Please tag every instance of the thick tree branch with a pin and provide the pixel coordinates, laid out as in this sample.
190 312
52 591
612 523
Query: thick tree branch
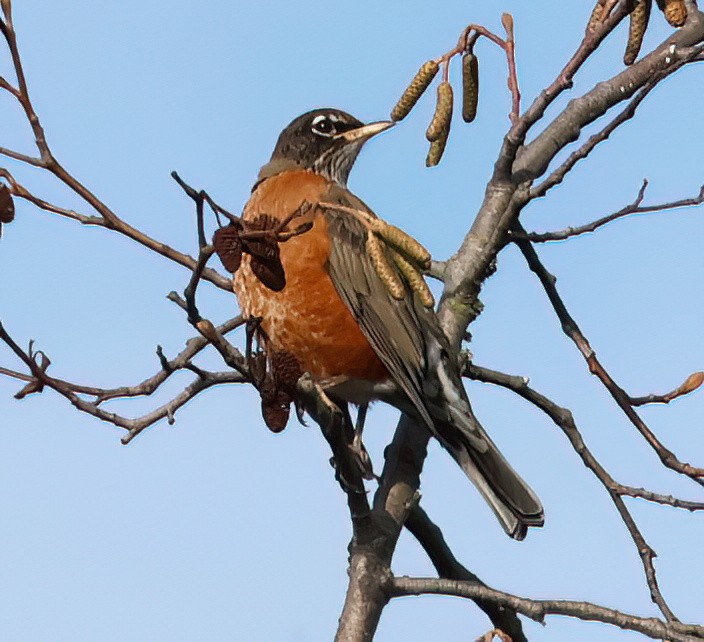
374 538
508 190
670 56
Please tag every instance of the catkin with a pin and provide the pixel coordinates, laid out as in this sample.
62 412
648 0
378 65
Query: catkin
442 117
415 280
437 148
597 17
386 273
470 87
638 24
415 90
404 243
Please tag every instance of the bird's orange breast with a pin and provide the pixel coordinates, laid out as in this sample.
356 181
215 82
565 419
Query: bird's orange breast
307 318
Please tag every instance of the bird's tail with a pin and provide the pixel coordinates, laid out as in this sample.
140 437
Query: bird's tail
453 422
512 500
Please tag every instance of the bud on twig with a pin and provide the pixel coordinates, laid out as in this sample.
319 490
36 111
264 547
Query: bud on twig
415 90
690 384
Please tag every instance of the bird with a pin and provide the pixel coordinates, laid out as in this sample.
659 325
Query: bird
337 319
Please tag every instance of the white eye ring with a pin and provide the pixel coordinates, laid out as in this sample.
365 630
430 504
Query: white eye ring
323 125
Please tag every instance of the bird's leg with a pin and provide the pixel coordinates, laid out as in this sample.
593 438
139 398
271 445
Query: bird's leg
350 465
254 360
357 446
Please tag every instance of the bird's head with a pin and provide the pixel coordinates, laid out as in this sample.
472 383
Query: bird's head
325 141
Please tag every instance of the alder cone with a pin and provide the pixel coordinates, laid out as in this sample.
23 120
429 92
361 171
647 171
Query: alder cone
266 260
7 206
287 371
228 247
276 406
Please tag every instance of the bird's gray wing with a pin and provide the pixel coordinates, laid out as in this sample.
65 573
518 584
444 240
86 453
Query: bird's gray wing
409 341
391 326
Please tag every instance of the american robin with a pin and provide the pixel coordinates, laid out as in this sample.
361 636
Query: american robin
336 317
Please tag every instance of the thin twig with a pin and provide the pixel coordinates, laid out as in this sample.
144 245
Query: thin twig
633 208
133 426
571 329
563 418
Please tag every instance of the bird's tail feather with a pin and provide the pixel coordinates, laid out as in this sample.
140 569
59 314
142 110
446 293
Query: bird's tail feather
512 500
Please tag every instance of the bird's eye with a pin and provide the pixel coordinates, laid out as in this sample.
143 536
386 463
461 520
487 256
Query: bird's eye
323 126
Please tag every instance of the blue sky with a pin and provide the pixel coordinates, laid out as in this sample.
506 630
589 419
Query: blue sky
215 529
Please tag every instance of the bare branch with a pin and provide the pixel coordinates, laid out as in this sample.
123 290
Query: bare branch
633 208
538 609
678 50
571 329
430 537
46 160
558 175
563 418
38 379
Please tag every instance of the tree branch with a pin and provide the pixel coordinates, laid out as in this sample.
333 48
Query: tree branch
563 418
134 426
430 537
571 329
538 609
633 208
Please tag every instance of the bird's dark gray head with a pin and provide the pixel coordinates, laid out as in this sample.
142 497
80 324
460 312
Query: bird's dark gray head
326 141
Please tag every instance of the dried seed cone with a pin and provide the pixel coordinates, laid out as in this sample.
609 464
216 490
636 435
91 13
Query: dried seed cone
286 369
228 246
404 243
415 280
442 117
276 406
386 273
675 12
415 90
7 206
437 148
639 23
470 87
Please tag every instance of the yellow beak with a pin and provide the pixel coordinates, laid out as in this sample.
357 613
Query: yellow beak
365 131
